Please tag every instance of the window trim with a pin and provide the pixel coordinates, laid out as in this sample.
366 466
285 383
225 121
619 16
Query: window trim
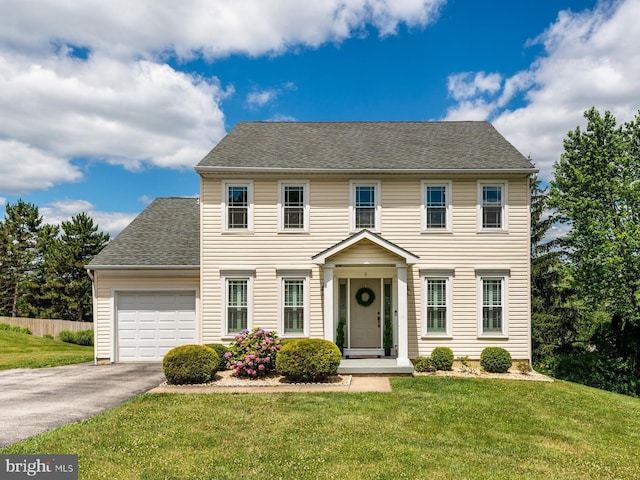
447 276
282 276
225 276
448 205
225 207
281 206
504 185
503 276
352 204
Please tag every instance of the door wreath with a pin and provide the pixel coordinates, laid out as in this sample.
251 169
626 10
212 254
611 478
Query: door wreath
365 296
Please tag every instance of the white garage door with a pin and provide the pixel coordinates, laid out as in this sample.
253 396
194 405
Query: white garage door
152 323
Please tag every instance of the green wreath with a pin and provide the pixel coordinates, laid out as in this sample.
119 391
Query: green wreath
371 297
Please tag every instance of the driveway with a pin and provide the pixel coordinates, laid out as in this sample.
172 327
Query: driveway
35 400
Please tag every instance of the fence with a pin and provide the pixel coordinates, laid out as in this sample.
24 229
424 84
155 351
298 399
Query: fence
40 327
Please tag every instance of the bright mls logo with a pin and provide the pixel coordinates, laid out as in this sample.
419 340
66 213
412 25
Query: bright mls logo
51 467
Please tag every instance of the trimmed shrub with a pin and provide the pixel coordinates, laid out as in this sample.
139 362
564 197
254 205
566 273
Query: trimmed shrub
308 360
190 364
253 353
442 358
14 329
495 360
220 349
424 364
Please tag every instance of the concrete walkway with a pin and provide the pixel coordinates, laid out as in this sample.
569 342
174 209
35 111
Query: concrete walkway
357 385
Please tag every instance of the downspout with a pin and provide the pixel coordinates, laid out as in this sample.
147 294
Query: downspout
93 314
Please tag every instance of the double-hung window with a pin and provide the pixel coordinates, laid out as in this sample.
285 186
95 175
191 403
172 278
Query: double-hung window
237 301
436 206
436 293
492 206
294 206
238 206
365 205
492 314
294 303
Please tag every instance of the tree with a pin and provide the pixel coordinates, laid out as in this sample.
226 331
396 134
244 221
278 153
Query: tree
19 233
67 281
596 190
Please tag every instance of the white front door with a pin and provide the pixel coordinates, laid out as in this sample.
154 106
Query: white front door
365 320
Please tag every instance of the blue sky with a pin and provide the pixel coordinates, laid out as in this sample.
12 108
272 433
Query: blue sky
105 106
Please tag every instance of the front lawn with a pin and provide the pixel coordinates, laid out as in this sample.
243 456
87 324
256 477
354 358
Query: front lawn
428 427
19 350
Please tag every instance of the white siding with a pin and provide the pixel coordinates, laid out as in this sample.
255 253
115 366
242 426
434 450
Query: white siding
463 250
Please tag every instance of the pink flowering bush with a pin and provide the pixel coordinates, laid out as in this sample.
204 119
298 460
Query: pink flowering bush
253 353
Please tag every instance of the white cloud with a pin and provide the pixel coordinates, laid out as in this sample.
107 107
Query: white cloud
260 99
466 85
591 59
111 222
193 27
26 169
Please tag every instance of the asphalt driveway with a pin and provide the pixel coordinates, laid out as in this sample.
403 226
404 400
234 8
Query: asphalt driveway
35 400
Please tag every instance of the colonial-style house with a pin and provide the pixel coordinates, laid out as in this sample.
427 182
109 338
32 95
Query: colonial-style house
403 235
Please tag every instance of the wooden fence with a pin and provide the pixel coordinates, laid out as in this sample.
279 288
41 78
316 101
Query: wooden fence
40 327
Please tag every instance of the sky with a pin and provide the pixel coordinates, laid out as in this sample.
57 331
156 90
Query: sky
106 105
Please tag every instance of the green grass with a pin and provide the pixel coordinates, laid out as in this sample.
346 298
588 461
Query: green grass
19 350
431 428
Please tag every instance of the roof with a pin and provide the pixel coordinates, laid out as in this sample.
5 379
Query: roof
166 234
364 146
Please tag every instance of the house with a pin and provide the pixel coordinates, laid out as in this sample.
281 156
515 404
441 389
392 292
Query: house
422 227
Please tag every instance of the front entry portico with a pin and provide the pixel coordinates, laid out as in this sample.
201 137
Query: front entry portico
366 260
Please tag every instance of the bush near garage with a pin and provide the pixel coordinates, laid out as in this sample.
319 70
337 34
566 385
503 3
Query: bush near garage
308 360
82 337
190 364
220 349
495 360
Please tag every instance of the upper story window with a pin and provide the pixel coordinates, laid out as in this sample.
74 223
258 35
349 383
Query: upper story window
365 205
436 206
238 206
294 206
492 206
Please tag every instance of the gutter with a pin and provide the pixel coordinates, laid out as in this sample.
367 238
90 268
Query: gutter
378 171
141 267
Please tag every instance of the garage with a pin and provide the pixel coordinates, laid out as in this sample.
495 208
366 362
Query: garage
149 324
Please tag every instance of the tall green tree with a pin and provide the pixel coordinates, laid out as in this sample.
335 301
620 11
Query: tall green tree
596 189
68 286
19 233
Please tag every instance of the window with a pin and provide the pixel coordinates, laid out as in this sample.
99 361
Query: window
237 301
294 303
437 303
365 205
238 206
492 206
436 206
294 206
492 313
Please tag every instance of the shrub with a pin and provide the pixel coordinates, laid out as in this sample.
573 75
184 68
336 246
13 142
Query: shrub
11 328
189 364
84 337
48 335
424 364
495 360
253 354
442 358
308 360
524 367
220 349
67 336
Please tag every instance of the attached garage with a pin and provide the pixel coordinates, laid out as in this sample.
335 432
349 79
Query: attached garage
149 324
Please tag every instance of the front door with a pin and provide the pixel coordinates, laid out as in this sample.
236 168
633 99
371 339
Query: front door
365 327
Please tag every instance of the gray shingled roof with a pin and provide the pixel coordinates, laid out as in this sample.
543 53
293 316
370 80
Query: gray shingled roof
341 146
166 233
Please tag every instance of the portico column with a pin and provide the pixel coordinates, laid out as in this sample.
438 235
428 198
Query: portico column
328 303
403 322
